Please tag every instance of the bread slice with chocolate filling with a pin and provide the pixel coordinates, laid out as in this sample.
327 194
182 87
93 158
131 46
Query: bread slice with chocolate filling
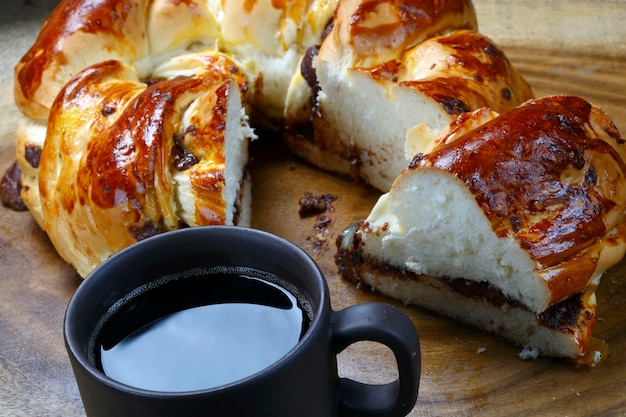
387 78
123 159
506 223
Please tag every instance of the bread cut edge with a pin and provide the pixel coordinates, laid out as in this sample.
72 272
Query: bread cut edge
509 320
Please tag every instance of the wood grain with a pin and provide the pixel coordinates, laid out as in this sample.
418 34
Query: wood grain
561 47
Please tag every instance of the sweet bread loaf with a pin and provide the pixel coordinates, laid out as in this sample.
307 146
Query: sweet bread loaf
174 84
124 160
137 113
507 223
387 78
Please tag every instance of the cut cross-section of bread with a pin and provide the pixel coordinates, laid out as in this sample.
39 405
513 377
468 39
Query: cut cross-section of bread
268 39
382 92
124 159
508 223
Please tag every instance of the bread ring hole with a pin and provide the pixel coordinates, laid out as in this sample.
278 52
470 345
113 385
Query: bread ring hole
368 362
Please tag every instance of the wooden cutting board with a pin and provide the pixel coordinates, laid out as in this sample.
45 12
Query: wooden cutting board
561 47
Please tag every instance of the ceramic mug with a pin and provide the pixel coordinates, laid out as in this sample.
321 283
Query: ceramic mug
303 382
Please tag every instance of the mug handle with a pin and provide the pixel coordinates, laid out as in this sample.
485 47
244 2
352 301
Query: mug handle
385 324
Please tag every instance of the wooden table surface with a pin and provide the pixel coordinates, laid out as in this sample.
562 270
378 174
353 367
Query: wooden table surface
564 47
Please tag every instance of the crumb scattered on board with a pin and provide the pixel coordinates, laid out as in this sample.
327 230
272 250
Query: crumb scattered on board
318 205
311 204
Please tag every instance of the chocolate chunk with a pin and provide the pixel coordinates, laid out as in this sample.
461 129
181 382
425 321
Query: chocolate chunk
311 204
108 111
591 176
562 314
145 231
322 222
32 154
492 50
183 158
454 106
11 187
307 69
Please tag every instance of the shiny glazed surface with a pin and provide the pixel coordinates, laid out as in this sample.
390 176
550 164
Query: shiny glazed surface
530 171
35 284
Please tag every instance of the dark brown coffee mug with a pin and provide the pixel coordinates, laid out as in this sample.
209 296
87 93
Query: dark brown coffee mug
303 382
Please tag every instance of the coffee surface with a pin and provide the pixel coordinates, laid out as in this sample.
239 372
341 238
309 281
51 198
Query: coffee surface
199 331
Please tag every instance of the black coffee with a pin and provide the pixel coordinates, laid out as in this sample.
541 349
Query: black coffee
199 330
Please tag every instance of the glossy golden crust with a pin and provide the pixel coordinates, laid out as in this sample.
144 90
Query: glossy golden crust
112 29
464 71
139 33
418 92
114 150
371 32
550 173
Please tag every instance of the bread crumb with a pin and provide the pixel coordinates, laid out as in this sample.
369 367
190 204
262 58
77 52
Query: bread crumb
597 357
529 353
